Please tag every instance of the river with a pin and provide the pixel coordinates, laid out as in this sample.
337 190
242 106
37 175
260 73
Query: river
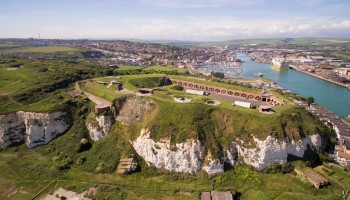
329 95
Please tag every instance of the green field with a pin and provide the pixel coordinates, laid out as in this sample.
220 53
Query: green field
45 49
8 45
159 69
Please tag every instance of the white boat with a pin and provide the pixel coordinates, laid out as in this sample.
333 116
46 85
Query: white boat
280 63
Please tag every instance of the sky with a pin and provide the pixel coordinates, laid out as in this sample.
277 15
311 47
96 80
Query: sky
195 20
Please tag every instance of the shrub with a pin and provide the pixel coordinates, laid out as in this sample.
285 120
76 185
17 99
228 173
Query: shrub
177 87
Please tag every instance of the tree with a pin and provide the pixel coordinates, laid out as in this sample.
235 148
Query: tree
108 72
218 74
310 100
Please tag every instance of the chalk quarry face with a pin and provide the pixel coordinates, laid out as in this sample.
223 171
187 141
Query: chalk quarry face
192 156
32 128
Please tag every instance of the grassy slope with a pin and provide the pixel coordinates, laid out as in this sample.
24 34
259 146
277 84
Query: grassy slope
279 41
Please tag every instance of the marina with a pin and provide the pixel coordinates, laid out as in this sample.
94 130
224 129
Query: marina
327 94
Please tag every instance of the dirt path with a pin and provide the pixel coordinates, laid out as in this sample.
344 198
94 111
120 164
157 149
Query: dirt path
93 98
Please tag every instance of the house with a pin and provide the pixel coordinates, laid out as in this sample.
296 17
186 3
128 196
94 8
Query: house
343 154
342 71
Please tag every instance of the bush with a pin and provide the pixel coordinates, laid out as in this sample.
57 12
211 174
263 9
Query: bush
108 72
80 160
177 87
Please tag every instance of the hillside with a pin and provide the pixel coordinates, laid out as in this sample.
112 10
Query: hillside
77 162
279 41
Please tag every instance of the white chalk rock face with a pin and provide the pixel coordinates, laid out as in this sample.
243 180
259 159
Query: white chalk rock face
270 151
32 128
99 127
214 167
185 157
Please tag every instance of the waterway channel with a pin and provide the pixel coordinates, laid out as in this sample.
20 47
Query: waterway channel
329 95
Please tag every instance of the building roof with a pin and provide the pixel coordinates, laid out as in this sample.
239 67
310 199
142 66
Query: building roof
343 155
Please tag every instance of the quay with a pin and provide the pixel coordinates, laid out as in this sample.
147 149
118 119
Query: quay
317 76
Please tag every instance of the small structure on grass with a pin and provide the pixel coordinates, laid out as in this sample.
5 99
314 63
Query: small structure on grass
146 91
216 195
119 85
213 102
126 165
101 108
313 177
67 194
182 100
243 104
266 109
197 92
102 82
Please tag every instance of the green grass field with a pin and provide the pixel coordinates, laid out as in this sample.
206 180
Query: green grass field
45 49
160 69
129 67
8 45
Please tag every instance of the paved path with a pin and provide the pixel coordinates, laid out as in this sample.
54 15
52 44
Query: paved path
232 99
93 98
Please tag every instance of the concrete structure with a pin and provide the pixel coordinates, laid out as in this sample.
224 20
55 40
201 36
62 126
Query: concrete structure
229 92
146 91
101 108
243 104
313 177
216 195
126 165
265 109
197 92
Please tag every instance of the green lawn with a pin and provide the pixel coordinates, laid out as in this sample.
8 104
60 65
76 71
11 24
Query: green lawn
100 90
8 45
129 67
44 49
160 69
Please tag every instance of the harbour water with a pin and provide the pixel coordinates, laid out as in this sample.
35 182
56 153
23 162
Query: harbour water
329 95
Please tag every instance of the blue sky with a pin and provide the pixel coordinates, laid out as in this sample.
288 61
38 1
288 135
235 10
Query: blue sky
198 20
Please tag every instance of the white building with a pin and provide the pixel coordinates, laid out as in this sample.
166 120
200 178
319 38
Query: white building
198 92
243 104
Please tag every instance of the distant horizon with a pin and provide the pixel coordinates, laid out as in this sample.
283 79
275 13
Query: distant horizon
174 40
195 20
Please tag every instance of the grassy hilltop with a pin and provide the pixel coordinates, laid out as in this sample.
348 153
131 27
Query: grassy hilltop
67 162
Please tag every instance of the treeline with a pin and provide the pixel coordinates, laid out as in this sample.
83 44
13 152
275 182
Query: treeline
54 75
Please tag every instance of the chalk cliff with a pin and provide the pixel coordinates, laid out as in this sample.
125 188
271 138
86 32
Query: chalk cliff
192 155
32 128
185 157
99 126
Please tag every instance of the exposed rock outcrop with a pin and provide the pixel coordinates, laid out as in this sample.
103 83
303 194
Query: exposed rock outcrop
191 156
98 126
185 157
270 151
32 128
133 110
